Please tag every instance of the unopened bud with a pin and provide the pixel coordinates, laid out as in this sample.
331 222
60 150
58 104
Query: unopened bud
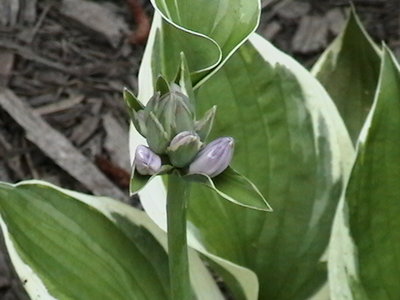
214 158
157 138
139 121
183 116
183 148
174 113
146 161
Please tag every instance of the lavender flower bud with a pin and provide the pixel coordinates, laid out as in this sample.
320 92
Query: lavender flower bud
183 148
214 158
146 161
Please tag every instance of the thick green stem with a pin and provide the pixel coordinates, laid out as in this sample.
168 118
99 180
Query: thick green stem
178 193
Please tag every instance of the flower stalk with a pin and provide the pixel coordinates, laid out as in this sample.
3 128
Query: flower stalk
178 194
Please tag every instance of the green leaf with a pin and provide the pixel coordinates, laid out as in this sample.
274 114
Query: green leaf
208 32
292 143
364 260
349 70
131 101
234 187
162 85
184 81
139 181
66 241
203 126
102 248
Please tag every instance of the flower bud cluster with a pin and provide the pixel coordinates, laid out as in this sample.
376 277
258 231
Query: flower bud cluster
176 139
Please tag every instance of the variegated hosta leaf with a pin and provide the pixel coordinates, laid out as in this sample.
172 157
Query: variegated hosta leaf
349 70
67 245
292 143
364 261
207 32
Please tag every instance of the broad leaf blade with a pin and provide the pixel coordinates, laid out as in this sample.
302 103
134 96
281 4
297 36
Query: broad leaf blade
64 240
291 142
349 71
102 248
364 260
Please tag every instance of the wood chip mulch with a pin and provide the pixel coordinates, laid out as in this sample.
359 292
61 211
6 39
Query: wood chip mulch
64 63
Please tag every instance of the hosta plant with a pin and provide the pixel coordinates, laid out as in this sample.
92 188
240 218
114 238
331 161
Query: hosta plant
282 183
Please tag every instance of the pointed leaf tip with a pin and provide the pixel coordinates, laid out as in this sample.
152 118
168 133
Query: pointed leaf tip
131 100
234 187
162 85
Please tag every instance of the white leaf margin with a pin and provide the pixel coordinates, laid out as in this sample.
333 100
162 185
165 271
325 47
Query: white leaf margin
342 260
201 279
31 281
159 15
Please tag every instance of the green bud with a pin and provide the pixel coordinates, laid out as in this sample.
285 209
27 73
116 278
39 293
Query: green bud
156 136
153 103
174 113
139 121
186 95
203 126
184 148
183 116
165 112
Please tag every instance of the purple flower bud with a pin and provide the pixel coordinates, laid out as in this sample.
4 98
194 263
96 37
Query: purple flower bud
214 158
146 161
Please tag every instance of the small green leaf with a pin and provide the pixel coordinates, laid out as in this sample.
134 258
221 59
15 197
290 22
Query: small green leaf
234 187
203 126
162 85
184 81
132 101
